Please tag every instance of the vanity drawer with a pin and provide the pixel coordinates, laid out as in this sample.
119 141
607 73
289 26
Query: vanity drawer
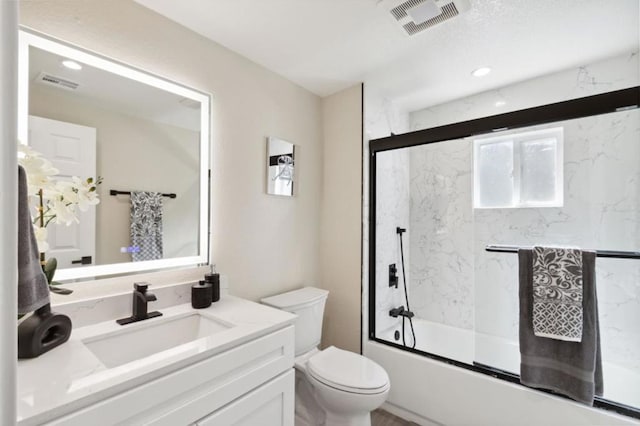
187 395
272 404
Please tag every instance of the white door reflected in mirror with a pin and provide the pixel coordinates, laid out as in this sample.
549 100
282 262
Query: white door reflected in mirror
72 150
280 167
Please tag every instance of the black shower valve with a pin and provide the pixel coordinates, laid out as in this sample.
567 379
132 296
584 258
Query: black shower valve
396 312
400 311
393 275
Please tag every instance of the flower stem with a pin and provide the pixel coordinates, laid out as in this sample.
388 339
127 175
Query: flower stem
42 225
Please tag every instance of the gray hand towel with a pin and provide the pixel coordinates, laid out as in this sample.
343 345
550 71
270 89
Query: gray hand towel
33 289
557 293
573 369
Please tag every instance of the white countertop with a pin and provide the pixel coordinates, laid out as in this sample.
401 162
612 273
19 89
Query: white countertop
70 376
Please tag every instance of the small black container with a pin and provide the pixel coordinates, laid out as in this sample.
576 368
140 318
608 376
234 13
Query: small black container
41 332
201 295
213 278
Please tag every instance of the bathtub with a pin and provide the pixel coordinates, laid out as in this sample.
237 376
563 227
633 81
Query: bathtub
432 392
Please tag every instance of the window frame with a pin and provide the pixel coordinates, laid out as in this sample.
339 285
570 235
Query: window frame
517 139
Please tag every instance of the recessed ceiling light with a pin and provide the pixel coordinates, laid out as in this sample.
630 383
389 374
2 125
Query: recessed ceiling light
73 65
501 103
481 72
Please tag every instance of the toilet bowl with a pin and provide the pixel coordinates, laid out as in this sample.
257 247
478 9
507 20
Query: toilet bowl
334 387
347 386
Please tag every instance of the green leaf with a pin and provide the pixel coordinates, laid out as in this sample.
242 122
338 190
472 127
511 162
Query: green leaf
60 290
49 268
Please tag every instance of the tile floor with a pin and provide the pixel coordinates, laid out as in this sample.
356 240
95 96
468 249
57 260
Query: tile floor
383 418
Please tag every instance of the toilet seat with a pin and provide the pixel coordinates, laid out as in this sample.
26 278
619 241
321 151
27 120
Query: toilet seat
347 371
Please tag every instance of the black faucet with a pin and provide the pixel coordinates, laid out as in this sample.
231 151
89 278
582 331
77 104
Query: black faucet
400 312
140 300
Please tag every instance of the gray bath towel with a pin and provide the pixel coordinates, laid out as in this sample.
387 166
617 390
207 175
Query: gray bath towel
33 289
573 369
146 225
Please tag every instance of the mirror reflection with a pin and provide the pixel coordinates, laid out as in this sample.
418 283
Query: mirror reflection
142 141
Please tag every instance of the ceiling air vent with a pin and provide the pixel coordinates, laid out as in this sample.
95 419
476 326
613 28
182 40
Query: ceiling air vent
417 15
52 80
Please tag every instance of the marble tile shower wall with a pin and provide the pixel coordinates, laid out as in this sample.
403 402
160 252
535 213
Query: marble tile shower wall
601 210
455 282
441 231
382 117
456 307
392 210
453 277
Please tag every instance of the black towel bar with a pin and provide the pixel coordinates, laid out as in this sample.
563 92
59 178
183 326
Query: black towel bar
116 192
599 253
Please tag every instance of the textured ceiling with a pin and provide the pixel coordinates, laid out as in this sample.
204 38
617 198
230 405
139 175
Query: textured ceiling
328 45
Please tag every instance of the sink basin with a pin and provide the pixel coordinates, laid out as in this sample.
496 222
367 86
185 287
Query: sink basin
145 339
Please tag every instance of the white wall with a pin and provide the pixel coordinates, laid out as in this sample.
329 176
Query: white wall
340 250
265 244
8 212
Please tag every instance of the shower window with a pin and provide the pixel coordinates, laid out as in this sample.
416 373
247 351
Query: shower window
519 170
463 299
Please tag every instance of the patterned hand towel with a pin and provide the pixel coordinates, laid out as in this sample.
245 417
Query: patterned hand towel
573 369
557 293
146 225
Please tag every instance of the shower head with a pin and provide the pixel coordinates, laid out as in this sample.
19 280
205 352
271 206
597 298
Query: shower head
400 231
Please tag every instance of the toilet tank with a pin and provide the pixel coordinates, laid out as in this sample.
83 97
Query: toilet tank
308 304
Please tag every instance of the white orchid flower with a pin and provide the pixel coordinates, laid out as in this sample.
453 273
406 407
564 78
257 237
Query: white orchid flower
39 170
41 238
64 213
56 200
87 195
68 191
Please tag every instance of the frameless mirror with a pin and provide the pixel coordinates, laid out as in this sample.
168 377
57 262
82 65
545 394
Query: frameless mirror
145 137
280 167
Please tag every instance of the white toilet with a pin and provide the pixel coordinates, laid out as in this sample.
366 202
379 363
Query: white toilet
333 387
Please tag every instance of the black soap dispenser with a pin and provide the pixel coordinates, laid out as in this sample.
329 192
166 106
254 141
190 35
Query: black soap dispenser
213 278
201 295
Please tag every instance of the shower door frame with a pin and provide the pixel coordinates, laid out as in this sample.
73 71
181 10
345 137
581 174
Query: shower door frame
605 103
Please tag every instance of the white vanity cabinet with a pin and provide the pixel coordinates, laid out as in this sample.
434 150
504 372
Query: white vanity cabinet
272 404
249 384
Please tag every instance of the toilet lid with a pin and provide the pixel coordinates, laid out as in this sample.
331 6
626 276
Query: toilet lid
347 371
